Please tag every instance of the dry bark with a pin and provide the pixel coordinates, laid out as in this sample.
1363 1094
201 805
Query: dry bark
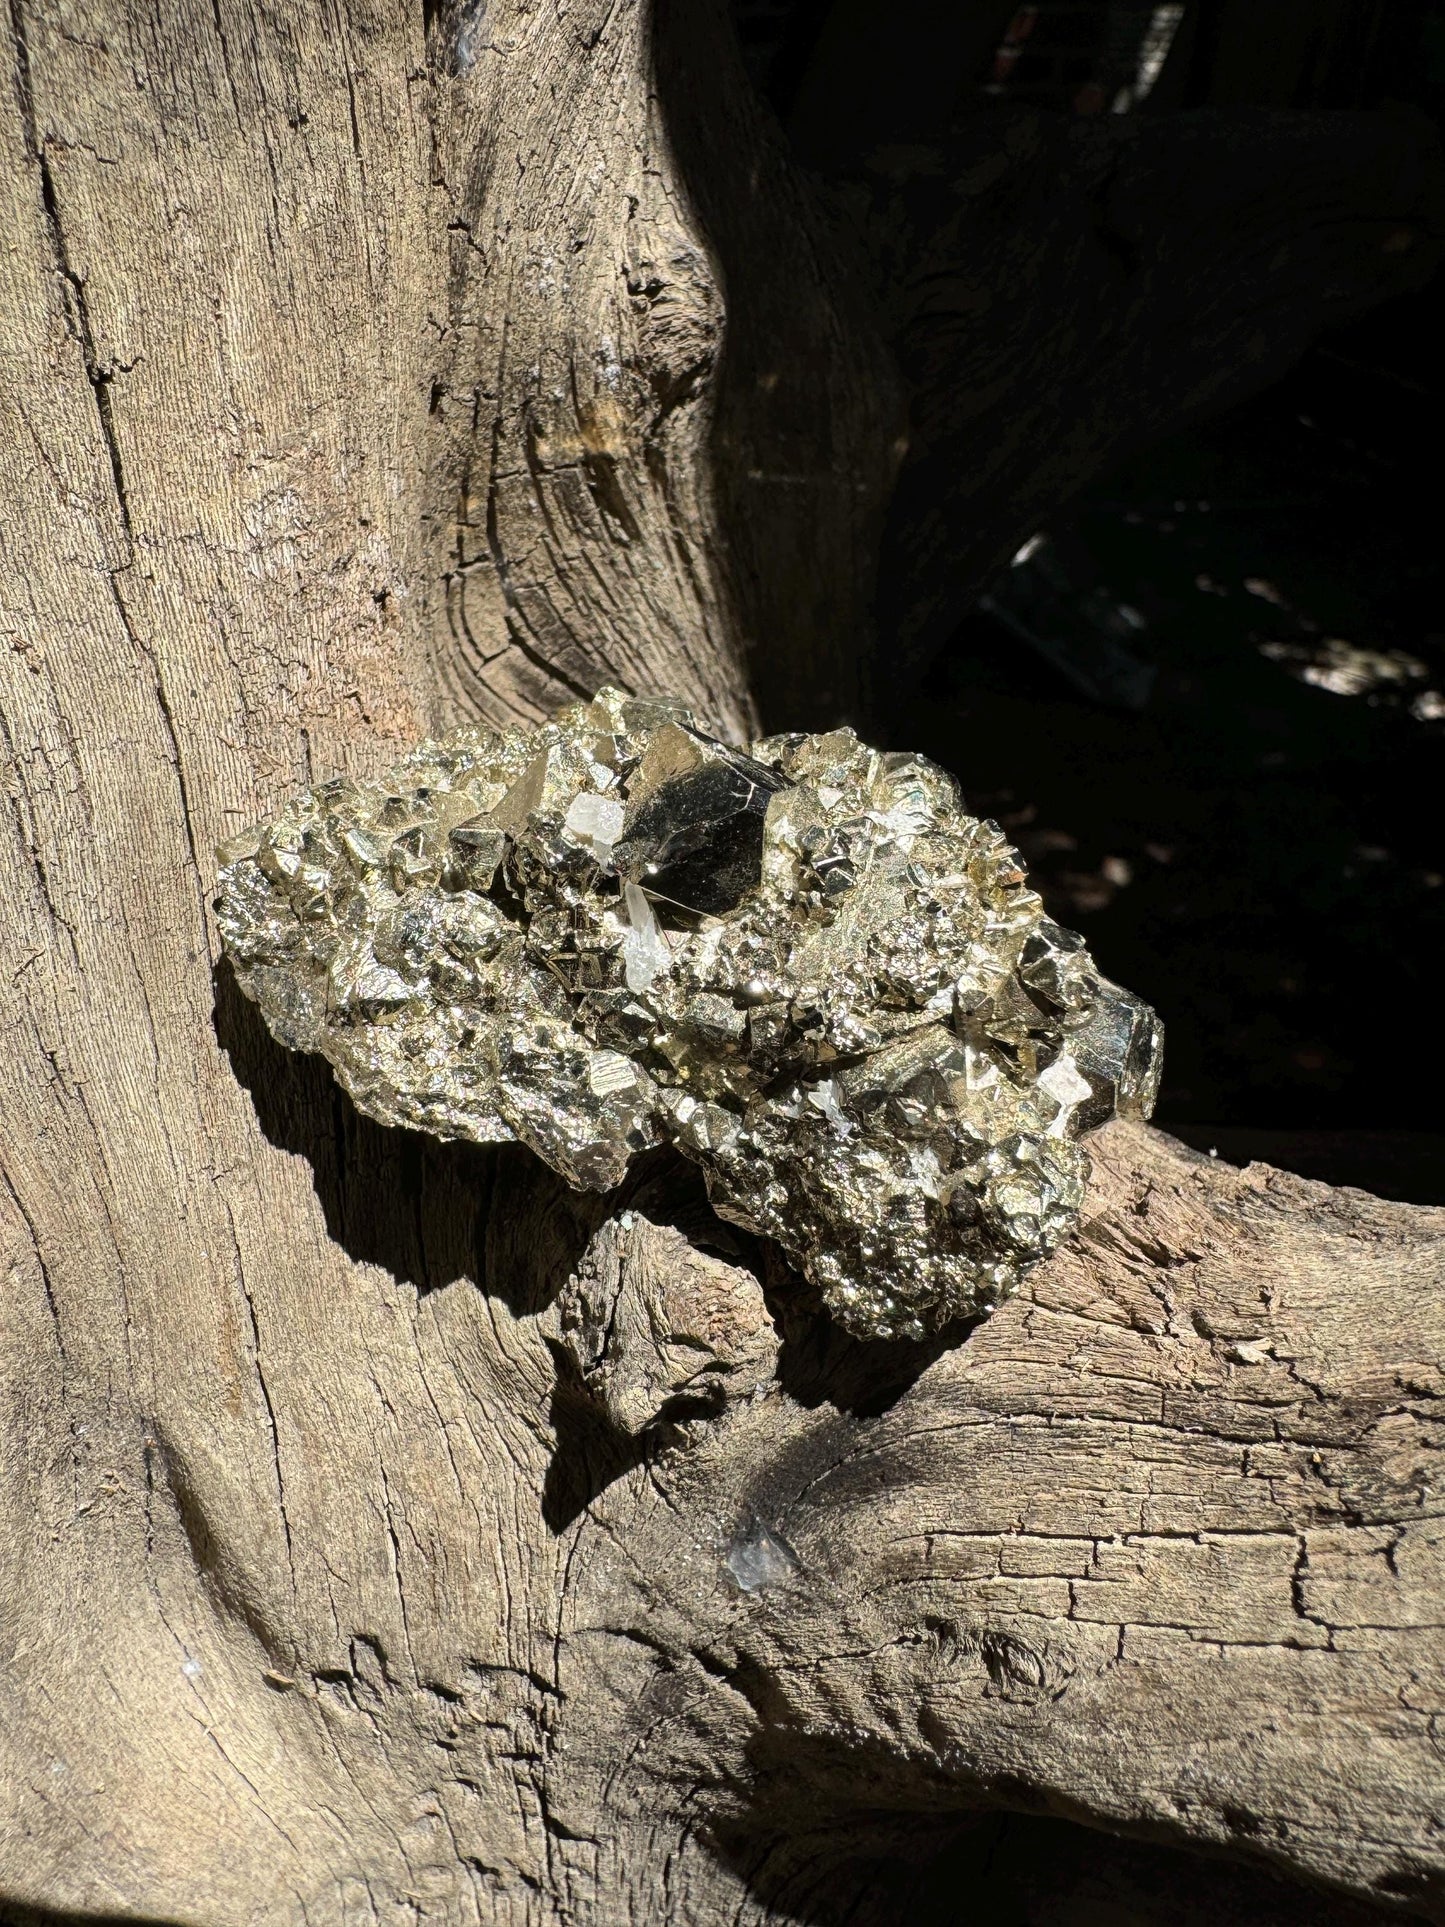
361 1565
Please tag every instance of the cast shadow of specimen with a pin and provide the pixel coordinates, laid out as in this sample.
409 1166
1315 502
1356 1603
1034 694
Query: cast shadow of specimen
431 1212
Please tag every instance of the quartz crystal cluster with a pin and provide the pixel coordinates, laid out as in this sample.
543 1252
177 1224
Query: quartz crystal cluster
803 964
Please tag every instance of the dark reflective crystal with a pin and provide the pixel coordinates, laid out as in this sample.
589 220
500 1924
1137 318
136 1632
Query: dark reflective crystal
694 833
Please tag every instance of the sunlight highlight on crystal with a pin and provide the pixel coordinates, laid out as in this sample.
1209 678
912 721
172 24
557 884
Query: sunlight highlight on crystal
804 964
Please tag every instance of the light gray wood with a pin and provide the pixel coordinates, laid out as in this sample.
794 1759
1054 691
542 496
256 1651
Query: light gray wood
350 384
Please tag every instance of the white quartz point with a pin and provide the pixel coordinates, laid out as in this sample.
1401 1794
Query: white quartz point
824 1097
1067 1088
596 821
644 949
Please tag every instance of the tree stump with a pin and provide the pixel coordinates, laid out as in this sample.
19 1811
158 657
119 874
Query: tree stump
390 1534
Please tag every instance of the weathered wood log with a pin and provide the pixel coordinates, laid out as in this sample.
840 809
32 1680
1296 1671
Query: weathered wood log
359 1564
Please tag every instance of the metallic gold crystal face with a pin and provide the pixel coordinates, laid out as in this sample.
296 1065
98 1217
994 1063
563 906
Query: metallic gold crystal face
804 964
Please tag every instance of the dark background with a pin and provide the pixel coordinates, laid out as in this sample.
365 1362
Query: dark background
1210 706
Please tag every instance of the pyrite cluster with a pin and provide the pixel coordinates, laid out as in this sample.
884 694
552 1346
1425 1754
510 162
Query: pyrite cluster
805 965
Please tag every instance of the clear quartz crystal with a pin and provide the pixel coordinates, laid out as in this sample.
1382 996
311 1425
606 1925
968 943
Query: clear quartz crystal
644 948
804 964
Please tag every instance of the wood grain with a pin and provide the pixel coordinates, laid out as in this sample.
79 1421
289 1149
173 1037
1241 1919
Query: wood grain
327 1597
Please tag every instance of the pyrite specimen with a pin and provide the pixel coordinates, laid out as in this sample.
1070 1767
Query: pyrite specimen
803 963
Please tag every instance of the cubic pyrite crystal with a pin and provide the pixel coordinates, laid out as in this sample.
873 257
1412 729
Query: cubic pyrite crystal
803 963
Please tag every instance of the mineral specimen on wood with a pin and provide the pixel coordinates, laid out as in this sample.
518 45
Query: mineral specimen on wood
803 964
